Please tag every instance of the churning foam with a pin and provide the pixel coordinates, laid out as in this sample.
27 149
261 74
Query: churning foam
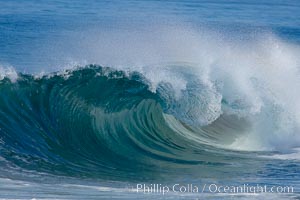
8 72
257 78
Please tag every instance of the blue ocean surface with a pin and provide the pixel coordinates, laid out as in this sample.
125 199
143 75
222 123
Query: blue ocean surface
136 99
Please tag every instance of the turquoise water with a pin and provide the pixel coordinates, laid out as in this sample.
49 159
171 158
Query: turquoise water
102 99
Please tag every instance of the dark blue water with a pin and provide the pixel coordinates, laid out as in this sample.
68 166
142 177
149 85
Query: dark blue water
99 96
32 32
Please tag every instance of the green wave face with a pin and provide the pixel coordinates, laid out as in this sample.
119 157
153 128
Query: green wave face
98 122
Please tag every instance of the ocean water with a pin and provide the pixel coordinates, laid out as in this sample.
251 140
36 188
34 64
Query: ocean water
149 99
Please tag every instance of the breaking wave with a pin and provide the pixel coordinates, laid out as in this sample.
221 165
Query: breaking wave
114 121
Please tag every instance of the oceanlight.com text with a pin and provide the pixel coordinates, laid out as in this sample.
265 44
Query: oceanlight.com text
211 188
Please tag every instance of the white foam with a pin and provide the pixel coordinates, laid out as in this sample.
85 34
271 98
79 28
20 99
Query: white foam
294 155
8 72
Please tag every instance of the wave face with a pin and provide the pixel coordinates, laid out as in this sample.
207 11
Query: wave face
102 122
96 121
